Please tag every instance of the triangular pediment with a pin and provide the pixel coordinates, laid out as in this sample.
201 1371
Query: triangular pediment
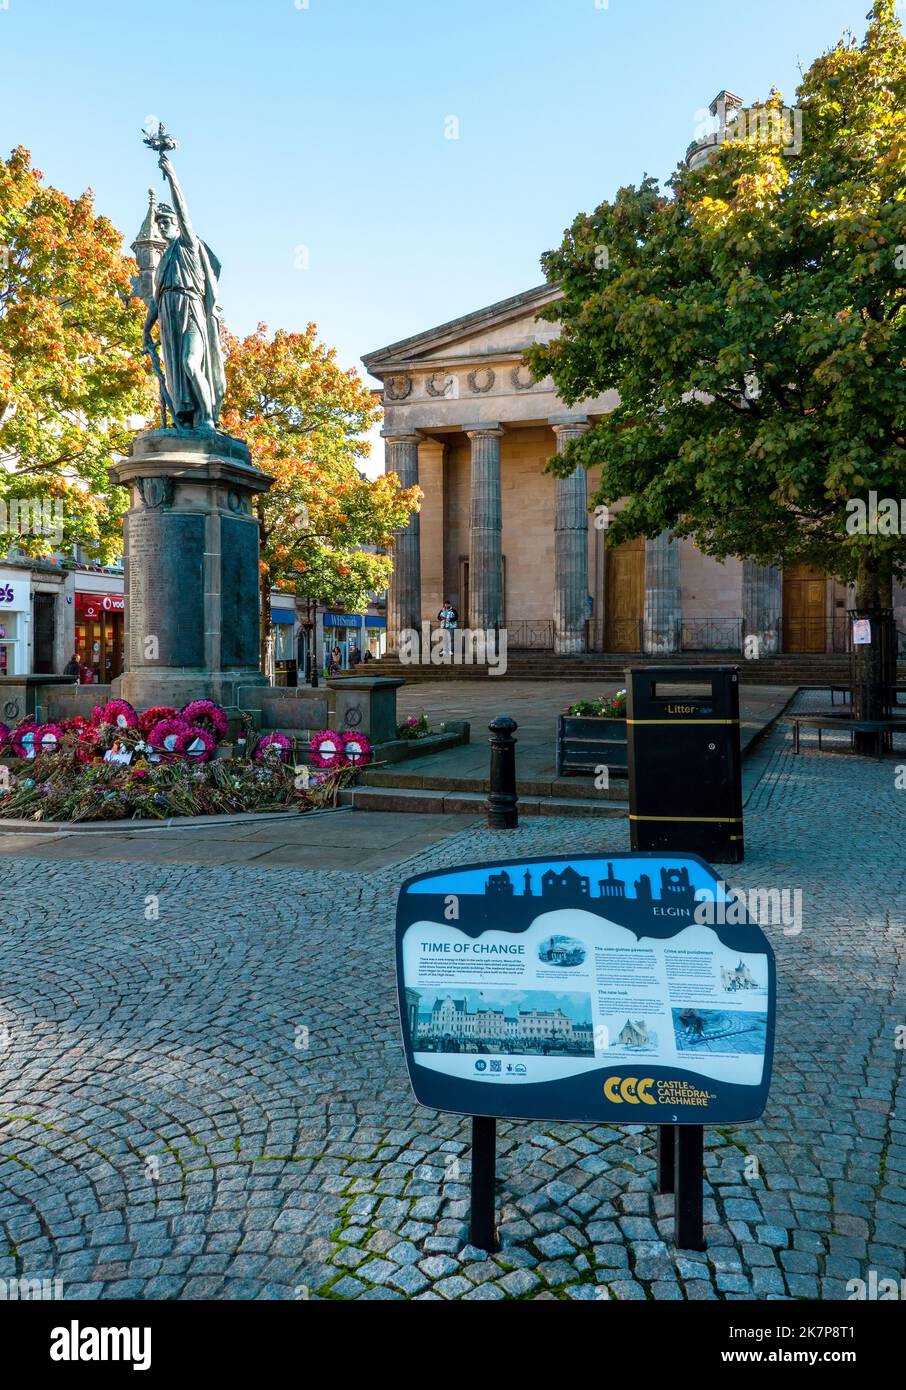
499 330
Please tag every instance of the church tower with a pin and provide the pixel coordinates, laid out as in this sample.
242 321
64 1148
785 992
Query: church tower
148 248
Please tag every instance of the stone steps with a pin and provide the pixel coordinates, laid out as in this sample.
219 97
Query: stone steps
570 789
430 802
821 669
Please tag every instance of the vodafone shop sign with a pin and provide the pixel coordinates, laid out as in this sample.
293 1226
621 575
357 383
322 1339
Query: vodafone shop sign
93 605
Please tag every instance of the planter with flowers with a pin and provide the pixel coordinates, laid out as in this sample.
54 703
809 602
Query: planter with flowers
592 734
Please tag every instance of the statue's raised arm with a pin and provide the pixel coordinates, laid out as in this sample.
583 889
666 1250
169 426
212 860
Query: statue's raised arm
187 231
185 294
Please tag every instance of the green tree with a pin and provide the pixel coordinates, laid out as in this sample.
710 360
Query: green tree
752 319
304 418
71 364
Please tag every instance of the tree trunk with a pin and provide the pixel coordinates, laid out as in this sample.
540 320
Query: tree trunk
870 664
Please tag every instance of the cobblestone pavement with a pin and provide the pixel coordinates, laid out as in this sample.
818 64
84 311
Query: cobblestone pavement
212 1101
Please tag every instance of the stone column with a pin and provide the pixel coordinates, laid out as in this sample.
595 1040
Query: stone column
570 548
762 604
485 524
661 636
404 600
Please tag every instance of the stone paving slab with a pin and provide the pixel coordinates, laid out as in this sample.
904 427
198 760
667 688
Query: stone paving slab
203 1093
535 706
343 840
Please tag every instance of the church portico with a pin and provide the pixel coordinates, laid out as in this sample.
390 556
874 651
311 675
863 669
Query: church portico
516 548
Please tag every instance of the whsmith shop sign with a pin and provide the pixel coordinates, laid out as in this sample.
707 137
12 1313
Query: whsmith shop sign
584 989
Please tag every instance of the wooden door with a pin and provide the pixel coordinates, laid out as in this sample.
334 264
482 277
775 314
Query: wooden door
625 596
804 610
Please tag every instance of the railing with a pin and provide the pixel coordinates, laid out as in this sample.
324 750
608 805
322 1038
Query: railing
711 634
523 634
529 634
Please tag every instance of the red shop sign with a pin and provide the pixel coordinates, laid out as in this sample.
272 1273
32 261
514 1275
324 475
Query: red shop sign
92 605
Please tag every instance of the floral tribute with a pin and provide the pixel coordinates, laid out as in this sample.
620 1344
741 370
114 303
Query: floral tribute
326 749
206 715
157 763
273 746
153 715
120 713
356 748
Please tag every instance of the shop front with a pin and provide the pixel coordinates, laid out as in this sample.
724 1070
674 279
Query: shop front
99 636
283 633
353 635
15 602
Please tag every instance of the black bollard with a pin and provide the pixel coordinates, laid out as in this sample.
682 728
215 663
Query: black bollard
503 813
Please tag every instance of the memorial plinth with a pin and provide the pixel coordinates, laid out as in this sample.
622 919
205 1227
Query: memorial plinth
191 566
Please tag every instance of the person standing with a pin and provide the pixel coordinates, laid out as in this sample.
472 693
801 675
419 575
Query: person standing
449 621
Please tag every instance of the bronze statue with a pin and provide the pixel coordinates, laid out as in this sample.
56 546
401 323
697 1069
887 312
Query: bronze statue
185 306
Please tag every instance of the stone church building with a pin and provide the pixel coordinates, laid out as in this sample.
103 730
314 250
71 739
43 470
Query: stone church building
512 546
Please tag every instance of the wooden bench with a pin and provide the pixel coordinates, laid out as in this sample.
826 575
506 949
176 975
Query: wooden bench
879 727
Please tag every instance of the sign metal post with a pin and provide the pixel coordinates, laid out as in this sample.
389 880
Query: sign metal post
689 1204
666 1157
482 1228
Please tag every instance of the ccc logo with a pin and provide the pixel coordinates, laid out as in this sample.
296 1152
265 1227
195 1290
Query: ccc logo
629 1089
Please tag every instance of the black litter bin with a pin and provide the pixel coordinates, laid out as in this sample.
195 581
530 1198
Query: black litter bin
685 782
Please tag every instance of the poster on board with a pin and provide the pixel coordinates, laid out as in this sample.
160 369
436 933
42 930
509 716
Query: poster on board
628 987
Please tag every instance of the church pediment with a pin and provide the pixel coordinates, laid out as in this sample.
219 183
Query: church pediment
500 331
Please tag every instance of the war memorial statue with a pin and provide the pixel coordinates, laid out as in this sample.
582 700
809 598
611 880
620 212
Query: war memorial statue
191 540
186 310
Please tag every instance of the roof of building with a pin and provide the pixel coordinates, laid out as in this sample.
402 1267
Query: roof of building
420 343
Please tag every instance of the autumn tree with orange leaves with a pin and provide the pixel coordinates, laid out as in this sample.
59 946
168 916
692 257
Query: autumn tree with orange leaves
71 365
304 419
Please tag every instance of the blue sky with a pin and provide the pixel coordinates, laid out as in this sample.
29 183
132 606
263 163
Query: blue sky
315 134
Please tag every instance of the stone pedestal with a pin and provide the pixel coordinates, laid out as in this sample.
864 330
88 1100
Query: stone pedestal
663 613
367 704
485 531
191 564
570 549
22 696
